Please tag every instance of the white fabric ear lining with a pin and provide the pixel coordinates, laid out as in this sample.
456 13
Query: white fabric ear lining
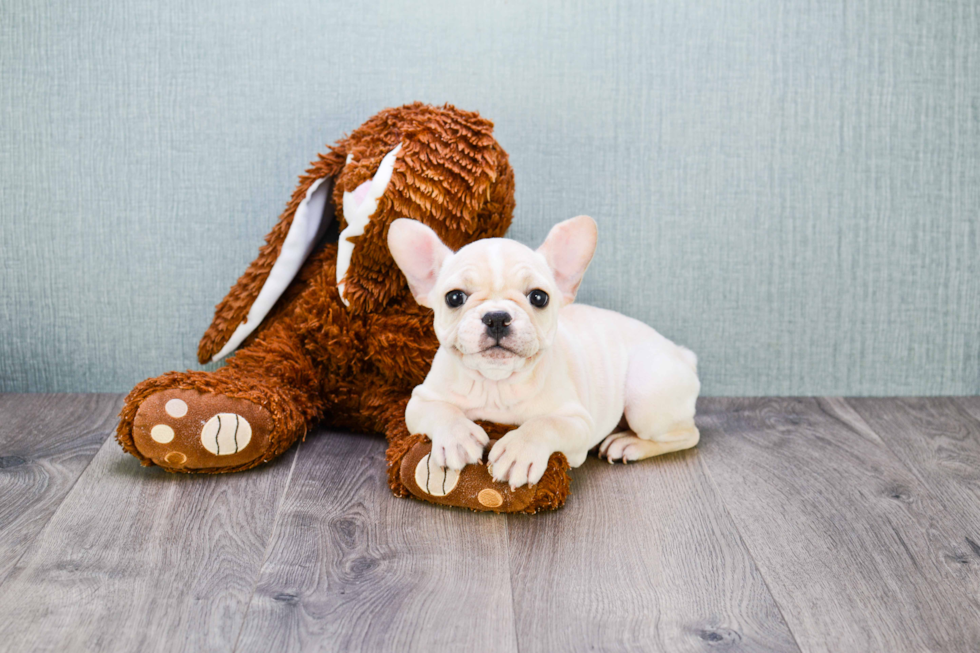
307 227
358 215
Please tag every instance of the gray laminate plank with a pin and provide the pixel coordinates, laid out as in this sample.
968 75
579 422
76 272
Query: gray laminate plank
46 442
136 559
825 509
970 404
643 557
352 568
939 440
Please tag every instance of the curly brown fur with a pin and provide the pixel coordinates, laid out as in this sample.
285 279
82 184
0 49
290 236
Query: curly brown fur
315 359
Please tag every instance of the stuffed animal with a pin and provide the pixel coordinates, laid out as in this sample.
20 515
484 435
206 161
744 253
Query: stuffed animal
322 324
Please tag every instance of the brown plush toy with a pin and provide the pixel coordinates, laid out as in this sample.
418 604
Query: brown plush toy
323 322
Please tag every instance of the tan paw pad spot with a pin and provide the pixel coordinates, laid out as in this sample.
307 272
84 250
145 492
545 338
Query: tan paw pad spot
435 480
176 458
226 433
176 408
490 498
162 433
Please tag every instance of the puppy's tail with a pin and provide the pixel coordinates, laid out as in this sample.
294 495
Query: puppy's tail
689 357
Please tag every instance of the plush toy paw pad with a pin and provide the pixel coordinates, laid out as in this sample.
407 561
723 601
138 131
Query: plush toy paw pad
175 458
187 429
434 480
490 498
226 434
162 433
472 487
176 408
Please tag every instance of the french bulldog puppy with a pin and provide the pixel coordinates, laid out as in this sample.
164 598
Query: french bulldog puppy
514 349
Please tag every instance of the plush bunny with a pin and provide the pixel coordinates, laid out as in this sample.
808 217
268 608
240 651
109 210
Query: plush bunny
322 325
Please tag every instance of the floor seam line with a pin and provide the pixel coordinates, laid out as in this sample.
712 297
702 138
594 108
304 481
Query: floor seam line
268 546
748 550
510 581
54 512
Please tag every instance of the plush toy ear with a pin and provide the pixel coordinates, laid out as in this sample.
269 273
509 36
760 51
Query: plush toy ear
287 247
309 223
419 253
568 249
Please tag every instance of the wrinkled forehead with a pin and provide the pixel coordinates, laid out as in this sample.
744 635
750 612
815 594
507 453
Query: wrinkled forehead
495 263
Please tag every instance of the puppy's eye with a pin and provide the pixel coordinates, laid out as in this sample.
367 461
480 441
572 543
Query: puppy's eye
455 298
538 298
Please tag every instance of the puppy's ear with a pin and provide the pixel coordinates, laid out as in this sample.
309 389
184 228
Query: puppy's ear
419 253
568 249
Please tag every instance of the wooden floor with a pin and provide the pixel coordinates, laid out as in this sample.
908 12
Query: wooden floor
797 525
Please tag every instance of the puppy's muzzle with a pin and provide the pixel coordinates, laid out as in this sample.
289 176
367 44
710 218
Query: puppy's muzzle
498 324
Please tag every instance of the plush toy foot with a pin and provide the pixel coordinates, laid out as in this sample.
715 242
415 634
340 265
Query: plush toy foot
474 488
188 430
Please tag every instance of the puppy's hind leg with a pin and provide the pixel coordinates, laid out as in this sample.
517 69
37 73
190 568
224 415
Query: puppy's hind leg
661 390
626 446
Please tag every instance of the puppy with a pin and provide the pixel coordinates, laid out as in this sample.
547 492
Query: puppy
515 350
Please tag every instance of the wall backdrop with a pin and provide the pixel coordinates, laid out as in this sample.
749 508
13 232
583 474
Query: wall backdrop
790 188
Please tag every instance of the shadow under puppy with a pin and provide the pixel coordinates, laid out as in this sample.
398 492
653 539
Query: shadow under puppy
515 350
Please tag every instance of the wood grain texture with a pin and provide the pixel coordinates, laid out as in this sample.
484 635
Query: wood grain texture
136 559
939 440
797 525
825 509
642 557
970 405
352 568
46 441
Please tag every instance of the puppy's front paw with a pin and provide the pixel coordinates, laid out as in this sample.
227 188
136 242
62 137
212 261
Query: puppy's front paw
519 458
458 444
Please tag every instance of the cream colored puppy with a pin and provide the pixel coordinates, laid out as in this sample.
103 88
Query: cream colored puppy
515 350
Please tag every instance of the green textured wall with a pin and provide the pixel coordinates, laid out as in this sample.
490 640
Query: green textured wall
792 189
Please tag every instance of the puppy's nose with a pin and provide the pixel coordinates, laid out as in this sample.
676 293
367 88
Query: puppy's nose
498 323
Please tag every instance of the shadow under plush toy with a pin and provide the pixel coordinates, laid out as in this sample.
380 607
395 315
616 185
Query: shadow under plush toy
323 326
